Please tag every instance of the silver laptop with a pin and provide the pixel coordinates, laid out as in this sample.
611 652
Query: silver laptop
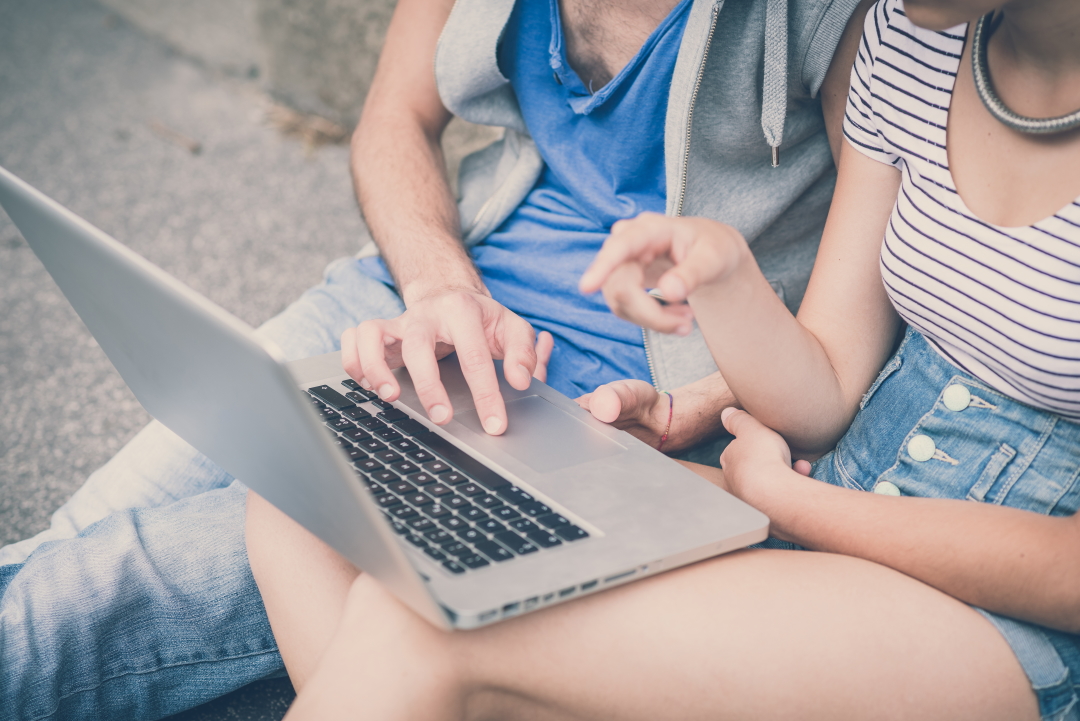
463 527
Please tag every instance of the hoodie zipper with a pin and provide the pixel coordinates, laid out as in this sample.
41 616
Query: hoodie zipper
686 165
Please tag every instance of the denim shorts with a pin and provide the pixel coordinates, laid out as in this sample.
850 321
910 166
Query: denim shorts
929 429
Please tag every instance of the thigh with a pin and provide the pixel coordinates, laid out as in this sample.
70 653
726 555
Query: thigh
756 634
313 324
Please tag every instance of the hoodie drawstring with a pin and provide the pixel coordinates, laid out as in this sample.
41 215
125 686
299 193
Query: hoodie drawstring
774 90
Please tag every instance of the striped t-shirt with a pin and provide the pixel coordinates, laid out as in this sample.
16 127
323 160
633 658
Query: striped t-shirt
1001 303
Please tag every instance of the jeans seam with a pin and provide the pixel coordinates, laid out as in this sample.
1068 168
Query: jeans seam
163 667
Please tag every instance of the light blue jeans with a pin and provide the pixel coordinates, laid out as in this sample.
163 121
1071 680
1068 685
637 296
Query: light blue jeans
138 602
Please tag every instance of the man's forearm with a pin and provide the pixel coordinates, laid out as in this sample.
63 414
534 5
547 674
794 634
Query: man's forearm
401 185
696 412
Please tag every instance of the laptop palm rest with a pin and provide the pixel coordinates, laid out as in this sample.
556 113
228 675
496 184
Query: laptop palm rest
541 436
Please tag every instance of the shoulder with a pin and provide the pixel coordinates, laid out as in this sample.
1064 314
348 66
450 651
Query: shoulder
888 34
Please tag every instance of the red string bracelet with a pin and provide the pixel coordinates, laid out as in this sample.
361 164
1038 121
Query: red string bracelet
670 413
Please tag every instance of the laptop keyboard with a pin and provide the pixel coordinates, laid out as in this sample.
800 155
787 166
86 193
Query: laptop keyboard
442 500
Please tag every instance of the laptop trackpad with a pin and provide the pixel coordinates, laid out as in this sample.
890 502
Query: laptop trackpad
541 436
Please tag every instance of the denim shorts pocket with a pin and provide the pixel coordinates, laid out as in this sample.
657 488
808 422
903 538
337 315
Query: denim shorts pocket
998 462
891 367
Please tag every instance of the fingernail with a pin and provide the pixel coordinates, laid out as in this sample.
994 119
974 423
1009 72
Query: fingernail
726 413
385 390
676 287
524 370
365 384
492 425
683 330
438 413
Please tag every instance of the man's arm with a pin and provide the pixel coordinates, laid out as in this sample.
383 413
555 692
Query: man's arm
400 178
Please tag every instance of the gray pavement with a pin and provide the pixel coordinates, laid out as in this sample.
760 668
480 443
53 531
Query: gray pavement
250 222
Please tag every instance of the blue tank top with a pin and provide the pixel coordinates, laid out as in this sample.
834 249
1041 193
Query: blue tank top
604 158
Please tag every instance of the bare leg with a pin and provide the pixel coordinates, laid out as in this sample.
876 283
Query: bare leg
303 583
756 634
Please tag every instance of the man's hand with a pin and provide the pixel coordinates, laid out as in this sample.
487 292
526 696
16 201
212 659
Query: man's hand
477 327
631 405
674 255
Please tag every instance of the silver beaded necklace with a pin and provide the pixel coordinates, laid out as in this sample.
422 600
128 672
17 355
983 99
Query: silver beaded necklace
985 87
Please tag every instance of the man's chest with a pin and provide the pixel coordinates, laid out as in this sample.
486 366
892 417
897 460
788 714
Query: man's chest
602 36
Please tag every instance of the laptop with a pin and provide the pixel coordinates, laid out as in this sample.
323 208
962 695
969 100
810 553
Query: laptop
463 527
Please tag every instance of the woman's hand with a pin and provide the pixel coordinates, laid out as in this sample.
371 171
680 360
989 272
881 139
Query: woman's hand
674 255
757 464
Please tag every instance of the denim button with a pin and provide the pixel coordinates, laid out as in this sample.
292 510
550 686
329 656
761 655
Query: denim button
884 488
921 448
956 397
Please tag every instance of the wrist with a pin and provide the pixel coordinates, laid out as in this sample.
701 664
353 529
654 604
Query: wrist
421 289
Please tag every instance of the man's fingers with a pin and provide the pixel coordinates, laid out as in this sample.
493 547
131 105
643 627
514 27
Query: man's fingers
545 343
469 339
350 357
371 337
623 401
518 344
418 353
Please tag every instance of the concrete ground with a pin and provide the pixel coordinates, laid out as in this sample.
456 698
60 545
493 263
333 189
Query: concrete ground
250 221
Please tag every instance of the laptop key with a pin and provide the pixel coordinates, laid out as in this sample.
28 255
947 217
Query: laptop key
381 404
493 551
340 424
358 390
385 476
413 428
436 511
453 567
534 508
370 445
373 486
571 533
356 435
454 479
471 535
474 561
438 535
419 499
392 414
455 502
423 479
388 434
438 490
515 543
356 397
401 487
372 424
514 495
404 446
387 500
416 540
436 554
435 467
453 523
487 501
368 465
387 456
405 468
553 520
421 525
330 397
470 489
543 539
355 414
457 548
420 456
472 513
355 454
523 525
399 527
505 513
403 512
490 526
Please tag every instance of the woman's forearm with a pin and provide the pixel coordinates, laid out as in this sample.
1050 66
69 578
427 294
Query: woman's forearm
1009 561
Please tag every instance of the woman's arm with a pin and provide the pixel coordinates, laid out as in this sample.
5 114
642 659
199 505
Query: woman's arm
1009 561
802 377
